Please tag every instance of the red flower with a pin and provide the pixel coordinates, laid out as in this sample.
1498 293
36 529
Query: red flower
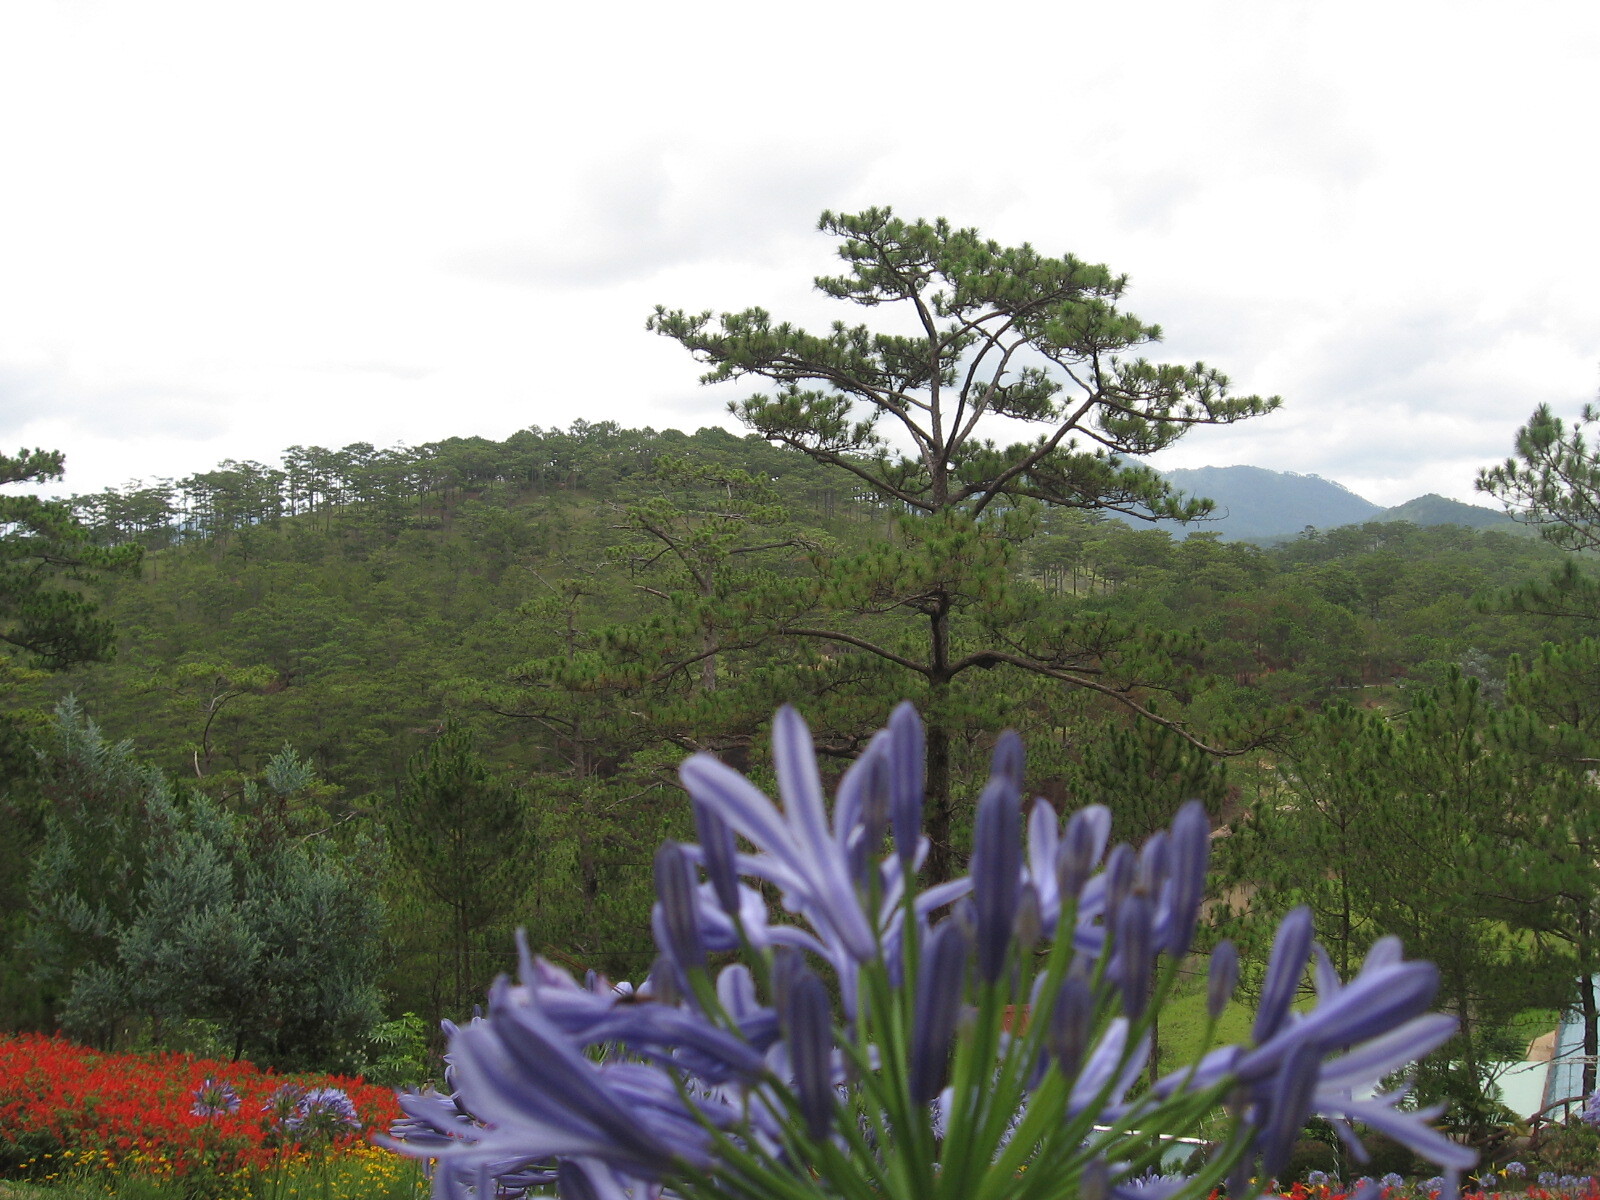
127 1104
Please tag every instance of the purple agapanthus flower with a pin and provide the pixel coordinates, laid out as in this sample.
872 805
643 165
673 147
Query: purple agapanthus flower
215 1098
280 1106
323 1113
886 1036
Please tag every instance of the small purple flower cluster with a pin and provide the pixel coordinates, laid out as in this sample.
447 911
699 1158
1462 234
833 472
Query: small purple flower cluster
281 1105
215 1098
1551 1181
322 1113
872 1043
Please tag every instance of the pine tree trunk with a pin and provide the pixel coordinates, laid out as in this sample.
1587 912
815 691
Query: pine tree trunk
1591 1031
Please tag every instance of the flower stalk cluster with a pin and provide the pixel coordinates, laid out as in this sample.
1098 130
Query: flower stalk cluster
986 1038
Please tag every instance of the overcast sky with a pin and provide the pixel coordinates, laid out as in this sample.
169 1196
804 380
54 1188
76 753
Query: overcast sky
226 229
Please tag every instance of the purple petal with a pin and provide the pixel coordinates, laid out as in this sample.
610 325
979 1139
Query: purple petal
1112 1068
1082 846
1134 958
906 767
1190 845
1290 1105
1008 759
1222 977
587 1179
1067 1038
1371 1005
1044 843
1122 866
799 784
718 854
1155 863
742 805
810 1041
1290 950
678 929
996 873
940 988
1411 1130
1388 1053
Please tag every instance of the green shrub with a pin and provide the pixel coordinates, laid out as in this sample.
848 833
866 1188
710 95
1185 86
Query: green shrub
1389 1156
1569 1150
1311 1154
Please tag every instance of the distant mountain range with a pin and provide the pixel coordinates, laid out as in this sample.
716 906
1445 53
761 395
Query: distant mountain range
1258 505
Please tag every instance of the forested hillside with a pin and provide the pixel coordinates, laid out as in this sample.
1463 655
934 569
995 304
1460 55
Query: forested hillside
563 615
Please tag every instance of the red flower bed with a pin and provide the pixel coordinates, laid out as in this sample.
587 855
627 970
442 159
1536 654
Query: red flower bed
134 1109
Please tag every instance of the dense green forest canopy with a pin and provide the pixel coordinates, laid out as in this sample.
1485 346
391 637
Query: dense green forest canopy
517 641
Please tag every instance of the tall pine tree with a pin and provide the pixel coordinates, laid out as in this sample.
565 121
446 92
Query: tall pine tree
983 339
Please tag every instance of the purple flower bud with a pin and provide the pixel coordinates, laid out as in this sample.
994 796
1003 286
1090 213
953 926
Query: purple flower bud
941 984
996 871
1134 955
808 1021
787 966
906 765
1067 1039
736 991
861 810
1044 845
1291 950
719 855
1008 759
1323 972
1384 952
1030 918
875 802
1221 978
1155 863
1290 1105
1121 868
1190 847
678 927
1082 845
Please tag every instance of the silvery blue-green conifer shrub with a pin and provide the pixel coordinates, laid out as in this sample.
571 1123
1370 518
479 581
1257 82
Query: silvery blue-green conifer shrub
986 1038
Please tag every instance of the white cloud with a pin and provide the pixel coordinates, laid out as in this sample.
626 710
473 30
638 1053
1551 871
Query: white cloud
228 230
